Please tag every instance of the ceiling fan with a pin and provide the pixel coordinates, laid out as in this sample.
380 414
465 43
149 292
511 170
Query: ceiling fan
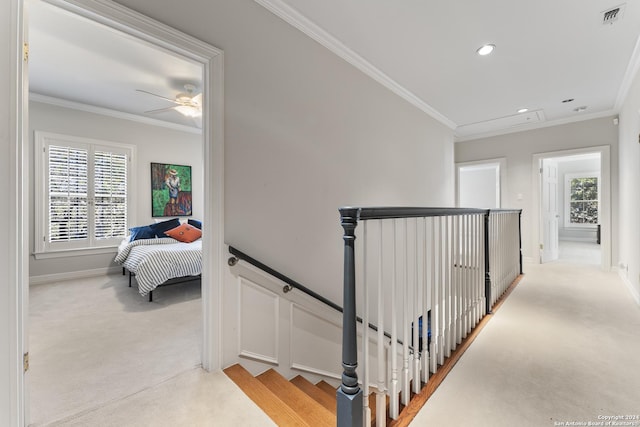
187 103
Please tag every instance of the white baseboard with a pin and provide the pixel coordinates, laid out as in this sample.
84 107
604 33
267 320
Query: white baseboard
632 289
60 277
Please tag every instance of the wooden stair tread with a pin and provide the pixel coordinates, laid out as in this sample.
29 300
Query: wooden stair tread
311 411
327 388
316 393
269 402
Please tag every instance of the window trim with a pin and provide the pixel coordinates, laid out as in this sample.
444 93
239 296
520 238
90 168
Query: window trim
42 248
567 197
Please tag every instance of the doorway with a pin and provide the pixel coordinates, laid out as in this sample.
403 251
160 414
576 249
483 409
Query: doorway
134 25
480 184
573 206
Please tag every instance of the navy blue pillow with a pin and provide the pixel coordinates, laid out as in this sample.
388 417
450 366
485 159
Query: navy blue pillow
143 232
197 224
160 227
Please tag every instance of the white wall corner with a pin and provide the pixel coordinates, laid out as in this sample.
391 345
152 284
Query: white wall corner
634 292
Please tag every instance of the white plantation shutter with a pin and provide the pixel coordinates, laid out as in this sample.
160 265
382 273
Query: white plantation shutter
68 194
110 195
84 188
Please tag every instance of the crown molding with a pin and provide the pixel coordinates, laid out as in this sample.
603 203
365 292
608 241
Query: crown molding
534 126
297 20
59 102
629 76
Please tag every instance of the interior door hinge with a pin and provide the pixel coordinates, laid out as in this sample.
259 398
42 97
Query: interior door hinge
541 170
25 52
25 361
541 246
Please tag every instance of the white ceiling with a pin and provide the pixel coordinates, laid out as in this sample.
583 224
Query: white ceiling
74 59
546 51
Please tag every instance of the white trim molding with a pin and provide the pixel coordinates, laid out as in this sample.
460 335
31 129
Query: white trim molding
632 290
629 75
81 274
122 19
297 20
605 199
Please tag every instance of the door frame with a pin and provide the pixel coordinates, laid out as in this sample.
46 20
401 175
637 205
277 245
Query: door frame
501 162
605 199
155 33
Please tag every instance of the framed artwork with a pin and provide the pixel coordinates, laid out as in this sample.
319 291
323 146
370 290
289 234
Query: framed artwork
170 190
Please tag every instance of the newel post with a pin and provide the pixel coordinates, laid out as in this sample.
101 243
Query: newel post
349 395
520 237
487 273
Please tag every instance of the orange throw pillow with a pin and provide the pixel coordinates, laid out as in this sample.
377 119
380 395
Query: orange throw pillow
185 233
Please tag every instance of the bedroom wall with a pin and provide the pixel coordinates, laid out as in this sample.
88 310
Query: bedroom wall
153 144
519 149
629 217
306 133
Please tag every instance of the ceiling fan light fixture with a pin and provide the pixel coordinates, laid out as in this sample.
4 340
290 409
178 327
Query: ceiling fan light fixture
188 111
485 49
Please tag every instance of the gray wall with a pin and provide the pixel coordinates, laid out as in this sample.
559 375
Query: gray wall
153 144
519 149
306 133
629 214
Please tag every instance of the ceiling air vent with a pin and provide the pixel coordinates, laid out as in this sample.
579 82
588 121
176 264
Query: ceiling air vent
612 15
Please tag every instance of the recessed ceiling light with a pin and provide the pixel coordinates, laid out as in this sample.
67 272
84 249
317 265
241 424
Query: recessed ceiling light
486 49
567 100
580 109
523 110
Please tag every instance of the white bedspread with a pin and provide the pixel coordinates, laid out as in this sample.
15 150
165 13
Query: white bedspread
154 261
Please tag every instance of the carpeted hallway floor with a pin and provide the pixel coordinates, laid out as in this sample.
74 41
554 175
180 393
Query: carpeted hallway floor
564 347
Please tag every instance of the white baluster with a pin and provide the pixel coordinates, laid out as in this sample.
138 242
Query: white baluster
394 403
405 319
426 292
447 290
441 288
434 298
381 416
365 330
416 312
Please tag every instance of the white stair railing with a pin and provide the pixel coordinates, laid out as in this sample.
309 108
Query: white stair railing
424 277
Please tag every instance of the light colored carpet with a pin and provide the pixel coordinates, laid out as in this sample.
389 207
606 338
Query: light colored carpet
192 399
564 347
579 252
93 341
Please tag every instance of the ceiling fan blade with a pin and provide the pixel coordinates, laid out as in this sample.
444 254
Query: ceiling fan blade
159 110
197 100
159 96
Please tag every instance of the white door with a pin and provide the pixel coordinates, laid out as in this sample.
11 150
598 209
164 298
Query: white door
549 244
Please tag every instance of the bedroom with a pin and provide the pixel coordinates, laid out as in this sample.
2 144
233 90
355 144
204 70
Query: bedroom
85 331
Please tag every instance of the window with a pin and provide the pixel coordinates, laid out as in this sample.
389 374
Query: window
82 193
582 199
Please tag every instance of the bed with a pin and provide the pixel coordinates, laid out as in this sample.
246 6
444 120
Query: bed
160 261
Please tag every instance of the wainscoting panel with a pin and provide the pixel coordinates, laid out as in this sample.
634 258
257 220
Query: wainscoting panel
316 343
258 322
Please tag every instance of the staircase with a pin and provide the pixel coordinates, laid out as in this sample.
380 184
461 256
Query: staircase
297 402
